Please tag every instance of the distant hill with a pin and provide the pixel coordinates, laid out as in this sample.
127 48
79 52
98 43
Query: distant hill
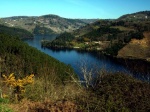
90 27
143 15
89 21
114 37
54 23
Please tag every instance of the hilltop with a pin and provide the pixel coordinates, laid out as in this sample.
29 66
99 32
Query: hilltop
142 15
45 24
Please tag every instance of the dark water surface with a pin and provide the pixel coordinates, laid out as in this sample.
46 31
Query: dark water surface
78 59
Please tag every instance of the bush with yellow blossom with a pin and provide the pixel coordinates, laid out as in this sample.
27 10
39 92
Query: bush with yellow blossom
18 85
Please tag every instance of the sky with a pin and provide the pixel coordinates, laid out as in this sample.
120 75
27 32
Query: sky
76 9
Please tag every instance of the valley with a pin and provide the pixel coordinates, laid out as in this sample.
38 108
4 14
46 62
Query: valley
54 64
118 38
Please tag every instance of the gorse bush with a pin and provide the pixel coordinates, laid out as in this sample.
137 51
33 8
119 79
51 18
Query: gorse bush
18 85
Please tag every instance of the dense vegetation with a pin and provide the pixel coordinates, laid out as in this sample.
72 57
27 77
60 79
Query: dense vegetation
61 41
117 93
21 59
97 34
110 93
16 32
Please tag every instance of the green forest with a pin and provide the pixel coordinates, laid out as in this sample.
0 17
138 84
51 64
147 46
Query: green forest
16 32
21 59
62 41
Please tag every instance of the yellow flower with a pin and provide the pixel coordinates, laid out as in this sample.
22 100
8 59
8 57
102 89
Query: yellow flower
11 76
11 81
5 96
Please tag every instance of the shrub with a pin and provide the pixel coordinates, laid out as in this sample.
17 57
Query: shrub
18 85
4 100
5 109
117 93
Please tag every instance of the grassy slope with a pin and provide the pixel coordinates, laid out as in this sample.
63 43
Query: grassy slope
137 48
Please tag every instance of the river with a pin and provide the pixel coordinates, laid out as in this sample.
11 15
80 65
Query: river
77 59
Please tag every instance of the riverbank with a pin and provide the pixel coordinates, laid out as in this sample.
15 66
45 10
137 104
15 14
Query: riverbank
135 65
139 68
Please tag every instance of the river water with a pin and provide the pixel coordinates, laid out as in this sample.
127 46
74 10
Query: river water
79 59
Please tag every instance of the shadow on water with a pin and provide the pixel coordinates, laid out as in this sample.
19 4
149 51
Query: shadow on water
139 68
93 60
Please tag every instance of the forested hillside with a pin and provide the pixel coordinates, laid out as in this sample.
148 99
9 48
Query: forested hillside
17 57
17 32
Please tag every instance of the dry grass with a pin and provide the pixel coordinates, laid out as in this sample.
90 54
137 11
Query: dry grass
137 48
45 106
49 98
121 28
48 88
46 94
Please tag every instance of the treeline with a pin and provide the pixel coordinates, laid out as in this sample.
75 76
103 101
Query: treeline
101 33
16 32
61 41
19 58
139 25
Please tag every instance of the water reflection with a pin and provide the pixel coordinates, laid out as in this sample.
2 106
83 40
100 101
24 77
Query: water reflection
92 60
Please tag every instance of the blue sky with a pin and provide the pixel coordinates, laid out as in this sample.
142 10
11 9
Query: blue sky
102 9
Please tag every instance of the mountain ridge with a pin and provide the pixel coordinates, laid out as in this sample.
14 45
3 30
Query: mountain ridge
53 22
141 15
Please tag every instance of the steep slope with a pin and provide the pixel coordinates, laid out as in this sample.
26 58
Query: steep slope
17 32
137 48
19 58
